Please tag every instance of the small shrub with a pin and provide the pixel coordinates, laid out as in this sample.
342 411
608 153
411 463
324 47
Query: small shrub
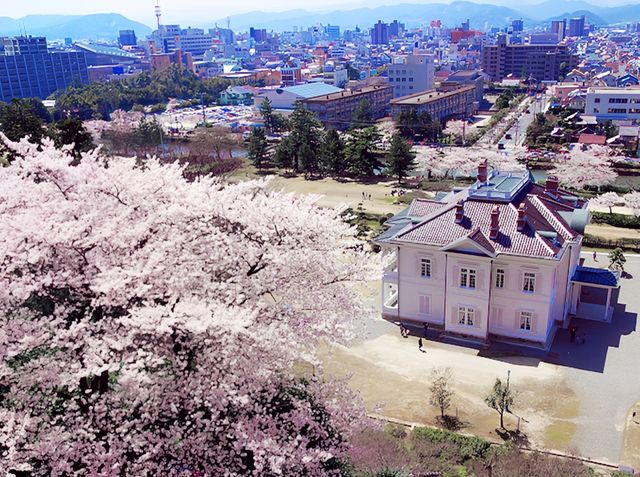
469 447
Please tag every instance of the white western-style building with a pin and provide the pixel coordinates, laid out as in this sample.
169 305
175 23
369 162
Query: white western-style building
499 260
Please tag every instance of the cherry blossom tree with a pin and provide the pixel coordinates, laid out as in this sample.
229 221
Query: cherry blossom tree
442 163
632 201
608 199
497 160
584 168
456 128
149 325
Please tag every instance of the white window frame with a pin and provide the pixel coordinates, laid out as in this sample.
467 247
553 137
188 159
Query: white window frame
426 269
526 320
466 315
468 278
529 282
500 277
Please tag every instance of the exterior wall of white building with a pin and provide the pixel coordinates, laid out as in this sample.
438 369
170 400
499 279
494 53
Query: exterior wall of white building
415 74
497 311
613 103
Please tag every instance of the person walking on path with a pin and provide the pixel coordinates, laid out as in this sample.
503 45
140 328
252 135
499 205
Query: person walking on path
595 256
426 328
572 331
420 345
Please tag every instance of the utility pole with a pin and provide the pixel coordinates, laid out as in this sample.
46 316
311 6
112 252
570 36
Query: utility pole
204 114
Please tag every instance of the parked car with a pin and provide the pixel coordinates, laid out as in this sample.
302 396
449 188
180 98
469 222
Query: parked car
500 145
507 136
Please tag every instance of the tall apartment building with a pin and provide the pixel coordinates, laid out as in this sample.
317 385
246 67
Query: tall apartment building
127 38
380 34
29 69
170 38
223 35
396 29
559 27
337 109
576 26
542 62
258 34
517 25
333 32
411 74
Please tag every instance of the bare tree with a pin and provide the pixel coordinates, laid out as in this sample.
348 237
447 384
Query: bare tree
500 398
441 389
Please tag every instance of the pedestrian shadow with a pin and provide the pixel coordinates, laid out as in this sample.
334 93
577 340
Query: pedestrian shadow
599 337
588 351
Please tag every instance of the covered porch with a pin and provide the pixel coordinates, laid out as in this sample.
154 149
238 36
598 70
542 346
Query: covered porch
594 293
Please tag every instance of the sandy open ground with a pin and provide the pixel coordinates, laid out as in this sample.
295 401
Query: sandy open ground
350 193
393 377
613 233
631 450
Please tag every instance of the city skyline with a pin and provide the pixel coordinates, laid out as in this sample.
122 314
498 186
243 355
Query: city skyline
183 12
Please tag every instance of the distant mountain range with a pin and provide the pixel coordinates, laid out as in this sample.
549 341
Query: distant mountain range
101 26
482 15
415 14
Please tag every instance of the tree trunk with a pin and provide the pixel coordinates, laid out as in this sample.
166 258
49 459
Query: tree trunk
502 420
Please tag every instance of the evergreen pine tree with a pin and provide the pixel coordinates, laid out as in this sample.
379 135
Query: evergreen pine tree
257 148
332 153
400 158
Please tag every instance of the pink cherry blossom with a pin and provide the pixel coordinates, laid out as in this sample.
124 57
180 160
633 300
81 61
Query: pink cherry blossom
154 326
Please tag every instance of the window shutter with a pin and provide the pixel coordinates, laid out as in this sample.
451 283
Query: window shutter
456 276
454 315
478 317
480 280
497 316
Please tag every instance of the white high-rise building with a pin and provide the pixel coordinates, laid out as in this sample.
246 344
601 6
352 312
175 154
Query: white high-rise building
411 74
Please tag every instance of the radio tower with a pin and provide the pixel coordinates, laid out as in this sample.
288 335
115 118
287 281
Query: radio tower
158 13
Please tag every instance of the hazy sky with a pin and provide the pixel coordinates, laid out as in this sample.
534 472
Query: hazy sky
206 11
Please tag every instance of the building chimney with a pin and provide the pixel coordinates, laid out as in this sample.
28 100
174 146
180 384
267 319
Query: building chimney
495 223
551 186
522 220
483 172
459 211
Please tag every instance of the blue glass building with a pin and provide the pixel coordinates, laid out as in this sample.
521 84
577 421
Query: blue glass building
28 69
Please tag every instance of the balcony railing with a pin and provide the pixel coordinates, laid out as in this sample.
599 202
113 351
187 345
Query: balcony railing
392 301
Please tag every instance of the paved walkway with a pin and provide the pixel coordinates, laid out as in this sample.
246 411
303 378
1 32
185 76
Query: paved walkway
604 371
575 397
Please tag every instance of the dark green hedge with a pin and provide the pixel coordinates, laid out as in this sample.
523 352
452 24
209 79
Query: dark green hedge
616 220
626 244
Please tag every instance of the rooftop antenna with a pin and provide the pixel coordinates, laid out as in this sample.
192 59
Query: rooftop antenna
158 13
228 23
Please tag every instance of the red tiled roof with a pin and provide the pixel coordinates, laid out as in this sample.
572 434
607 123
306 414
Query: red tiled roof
592 139
442 229
424 207
481 239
